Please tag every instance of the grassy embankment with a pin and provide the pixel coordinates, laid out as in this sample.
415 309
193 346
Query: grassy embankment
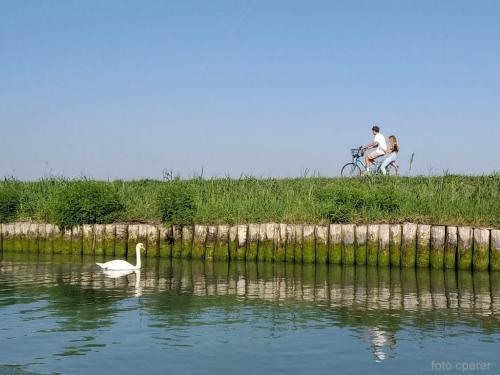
450 199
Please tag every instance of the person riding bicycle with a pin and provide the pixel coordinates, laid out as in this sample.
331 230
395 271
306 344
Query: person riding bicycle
392 154
378 142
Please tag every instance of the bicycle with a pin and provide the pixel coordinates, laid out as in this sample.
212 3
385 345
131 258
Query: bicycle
357 166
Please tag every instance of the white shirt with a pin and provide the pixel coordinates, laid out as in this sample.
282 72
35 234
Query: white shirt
380 140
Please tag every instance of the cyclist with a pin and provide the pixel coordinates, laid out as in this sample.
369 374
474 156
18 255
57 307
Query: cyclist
378 142
391 155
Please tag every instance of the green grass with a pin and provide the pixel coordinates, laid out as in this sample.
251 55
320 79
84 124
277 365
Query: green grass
448 199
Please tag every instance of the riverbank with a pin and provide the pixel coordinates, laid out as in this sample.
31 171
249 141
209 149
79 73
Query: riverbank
405 245
448 200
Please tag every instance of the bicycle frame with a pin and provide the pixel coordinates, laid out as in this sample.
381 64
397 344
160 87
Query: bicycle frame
361 163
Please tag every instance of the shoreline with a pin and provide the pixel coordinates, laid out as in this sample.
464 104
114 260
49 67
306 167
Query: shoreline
406 245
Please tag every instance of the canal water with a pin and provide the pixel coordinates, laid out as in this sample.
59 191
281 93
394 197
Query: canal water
62 314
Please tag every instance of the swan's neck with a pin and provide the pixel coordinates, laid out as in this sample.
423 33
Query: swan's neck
138 259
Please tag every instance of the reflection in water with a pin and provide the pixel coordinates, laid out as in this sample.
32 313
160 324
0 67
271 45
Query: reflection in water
115 274
374 303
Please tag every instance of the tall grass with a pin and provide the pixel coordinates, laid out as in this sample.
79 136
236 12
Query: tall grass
448 199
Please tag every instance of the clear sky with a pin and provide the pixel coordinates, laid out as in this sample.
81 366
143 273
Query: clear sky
126 89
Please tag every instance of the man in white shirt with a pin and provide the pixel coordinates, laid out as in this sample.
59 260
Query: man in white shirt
380 144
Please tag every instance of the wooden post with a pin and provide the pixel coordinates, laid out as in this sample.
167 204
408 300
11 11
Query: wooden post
132 239
372 245
121 237
222 247
153 242
290 243
348 242
481 252
77 240
233 242
299 236
166 240
423 245
241 250
495 251
280 243
33 238
99 233
199 240
335 244
408 245
308 245
109 240
211 242
395 245
186 238
361 235
450 249
42 238
464 248
438 240
8 237
321 234
383 245
57 245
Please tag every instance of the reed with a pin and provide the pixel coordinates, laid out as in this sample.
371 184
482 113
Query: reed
449 199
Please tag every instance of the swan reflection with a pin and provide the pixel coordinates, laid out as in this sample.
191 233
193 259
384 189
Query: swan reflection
115 274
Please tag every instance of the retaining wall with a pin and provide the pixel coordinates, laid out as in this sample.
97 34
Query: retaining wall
398 245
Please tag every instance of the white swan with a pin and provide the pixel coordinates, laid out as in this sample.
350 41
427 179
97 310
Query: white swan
121 265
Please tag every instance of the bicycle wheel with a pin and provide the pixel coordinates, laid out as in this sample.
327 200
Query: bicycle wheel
350 170
392 169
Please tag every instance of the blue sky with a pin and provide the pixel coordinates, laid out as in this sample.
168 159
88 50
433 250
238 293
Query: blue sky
126 89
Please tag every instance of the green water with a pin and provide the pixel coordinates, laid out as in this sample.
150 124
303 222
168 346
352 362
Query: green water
63 315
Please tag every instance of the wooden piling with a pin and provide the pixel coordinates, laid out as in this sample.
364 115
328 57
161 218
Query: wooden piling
88 239
166 240
57 240
450 247
233 242
280 243
211 242
395 245
372 243
481 249
8 237
335 244
308 245
99 243
242 242
42 238
495 250
423 245
121 240
464 248
132 239
408 245
290 243
361 236
109 239
222 247
33 238
383 245
153 241
299 235
348 244
438 240
177 241
77 240
185 239
321 234
199 240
